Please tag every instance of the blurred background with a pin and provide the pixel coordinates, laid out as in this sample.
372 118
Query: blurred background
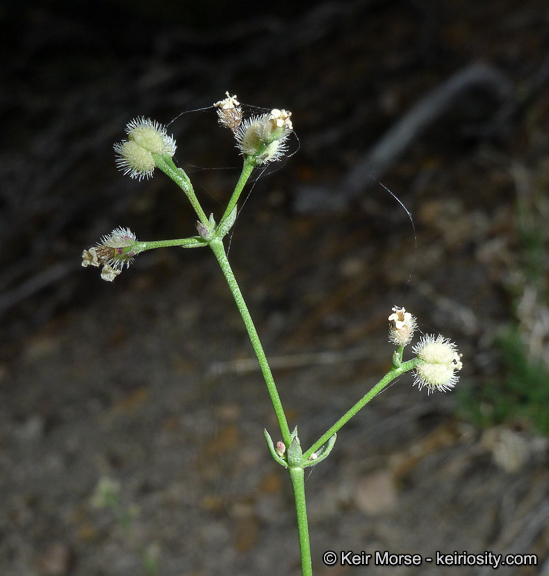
148 381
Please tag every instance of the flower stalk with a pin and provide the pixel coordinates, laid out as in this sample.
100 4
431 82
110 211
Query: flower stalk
165 163
247 170
387 379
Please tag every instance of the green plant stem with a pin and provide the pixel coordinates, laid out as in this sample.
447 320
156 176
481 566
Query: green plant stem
192 242
397 357
218 249
297 476
389 377
247 169
165 163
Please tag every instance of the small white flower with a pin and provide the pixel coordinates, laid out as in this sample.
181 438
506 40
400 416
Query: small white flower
134 156
402 327
229 112
228 103
89 258
115 250
441 361
109 273
281 119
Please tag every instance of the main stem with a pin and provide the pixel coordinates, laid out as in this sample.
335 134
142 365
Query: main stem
297 476
218 249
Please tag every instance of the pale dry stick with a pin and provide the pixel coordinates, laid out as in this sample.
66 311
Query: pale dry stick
462 315
529 531
431 107
245 365
34 284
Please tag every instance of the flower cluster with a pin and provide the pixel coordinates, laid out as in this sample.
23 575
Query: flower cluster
264 138
260 138
146 137
439 357
115 250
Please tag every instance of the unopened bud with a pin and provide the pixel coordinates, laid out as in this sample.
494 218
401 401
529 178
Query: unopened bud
205 232
145 138
441 361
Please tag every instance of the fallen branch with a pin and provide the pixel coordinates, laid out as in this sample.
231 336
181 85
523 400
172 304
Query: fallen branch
433 106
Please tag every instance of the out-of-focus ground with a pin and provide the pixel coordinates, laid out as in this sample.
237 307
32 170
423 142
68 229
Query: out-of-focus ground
145 381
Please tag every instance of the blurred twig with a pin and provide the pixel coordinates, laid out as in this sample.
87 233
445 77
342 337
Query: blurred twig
430 108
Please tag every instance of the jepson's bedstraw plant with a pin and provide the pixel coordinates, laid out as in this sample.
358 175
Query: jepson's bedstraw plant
261 139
